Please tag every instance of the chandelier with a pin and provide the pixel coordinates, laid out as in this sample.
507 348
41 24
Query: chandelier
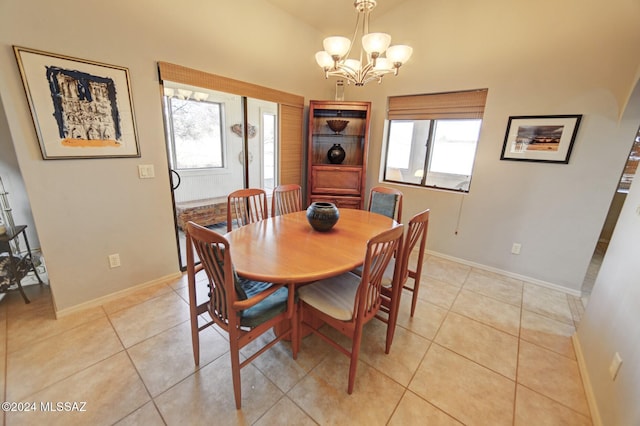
335 61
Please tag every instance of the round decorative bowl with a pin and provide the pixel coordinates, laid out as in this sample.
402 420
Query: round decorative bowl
322 216
337 125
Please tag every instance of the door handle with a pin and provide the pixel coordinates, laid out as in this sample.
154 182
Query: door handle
175 186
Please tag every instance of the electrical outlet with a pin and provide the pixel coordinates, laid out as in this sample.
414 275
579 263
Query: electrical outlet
615 365
114 260
515 248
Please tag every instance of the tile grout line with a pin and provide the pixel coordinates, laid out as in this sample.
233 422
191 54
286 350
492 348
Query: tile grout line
515 388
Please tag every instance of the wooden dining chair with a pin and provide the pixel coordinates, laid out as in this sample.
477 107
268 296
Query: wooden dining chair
246 206
386 201
286 199
391 294
346 302
245 309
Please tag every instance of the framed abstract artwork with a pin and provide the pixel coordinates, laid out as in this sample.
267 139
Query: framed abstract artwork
543 138
80 108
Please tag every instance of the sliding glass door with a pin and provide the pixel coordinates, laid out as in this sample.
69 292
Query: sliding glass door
265 152
206 145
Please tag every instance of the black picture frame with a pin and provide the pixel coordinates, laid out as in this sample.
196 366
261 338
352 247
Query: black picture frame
540 138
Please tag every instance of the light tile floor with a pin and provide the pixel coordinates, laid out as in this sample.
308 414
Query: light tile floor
482 349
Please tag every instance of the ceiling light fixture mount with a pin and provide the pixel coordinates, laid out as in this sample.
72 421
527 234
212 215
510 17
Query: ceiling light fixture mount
335 61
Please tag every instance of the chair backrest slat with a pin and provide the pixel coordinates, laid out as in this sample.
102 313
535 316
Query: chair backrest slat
246 206
286 199
380 251
416 231
213 251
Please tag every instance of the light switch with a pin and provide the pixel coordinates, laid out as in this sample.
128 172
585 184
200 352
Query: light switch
146 171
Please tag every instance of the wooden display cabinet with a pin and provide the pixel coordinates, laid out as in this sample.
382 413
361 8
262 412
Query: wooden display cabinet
344 183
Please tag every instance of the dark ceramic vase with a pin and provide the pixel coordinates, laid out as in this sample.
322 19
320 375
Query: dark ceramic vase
336 154
322 216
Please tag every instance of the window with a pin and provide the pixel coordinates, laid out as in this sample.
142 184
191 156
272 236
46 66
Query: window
431 140
196 133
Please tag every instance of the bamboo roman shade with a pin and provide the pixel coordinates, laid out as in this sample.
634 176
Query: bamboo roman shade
467 104
291 108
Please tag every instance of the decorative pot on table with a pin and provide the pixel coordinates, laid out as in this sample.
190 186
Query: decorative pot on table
322 215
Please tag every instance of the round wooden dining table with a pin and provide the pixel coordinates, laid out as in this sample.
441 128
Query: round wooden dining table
286 249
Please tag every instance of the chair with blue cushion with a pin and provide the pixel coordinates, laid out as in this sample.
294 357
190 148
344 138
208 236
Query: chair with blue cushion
346 302
386 201
243 308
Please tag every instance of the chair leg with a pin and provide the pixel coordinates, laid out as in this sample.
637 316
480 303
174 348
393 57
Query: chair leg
392 319
235 370
355 352
414 298
298 336
195 340
295 331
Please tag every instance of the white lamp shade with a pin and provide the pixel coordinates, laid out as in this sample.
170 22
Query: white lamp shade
336 45
383 64
324 59
199 96
399 53
352 64
184 94
376 42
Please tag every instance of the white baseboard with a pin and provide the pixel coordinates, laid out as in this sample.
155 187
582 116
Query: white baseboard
109 297
531 280
586 382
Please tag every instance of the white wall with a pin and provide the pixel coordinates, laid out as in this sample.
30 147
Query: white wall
85 210
531 64
612 320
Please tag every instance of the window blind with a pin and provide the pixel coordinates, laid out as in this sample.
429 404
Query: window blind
466 104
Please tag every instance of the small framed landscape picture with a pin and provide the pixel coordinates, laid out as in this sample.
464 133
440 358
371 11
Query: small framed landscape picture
543 138
80 108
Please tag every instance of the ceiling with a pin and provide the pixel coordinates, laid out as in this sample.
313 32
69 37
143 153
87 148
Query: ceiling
331 17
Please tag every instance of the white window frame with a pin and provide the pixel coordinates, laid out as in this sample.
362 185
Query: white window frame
223 142
424 112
